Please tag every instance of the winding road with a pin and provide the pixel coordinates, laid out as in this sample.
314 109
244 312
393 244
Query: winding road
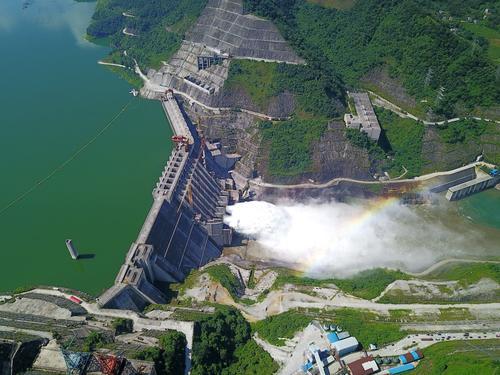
335 181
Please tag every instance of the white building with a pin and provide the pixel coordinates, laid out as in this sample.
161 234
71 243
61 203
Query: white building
345 346
365 119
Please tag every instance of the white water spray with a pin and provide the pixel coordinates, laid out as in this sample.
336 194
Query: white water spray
338 239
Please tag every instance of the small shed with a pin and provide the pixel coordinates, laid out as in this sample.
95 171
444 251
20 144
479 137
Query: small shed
343 335
401 369
332 337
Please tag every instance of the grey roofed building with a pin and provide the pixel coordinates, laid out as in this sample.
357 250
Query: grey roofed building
364 119
346 346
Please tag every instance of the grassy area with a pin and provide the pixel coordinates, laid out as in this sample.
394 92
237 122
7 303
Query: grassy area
466 273
257 79
222 274
251 278
188 315
404 297
405 142
453 313
366 284
276 329
461 358
336 4
290 144
419 109
463 131
316 93
366 326
490 142
316 98
492 35
369 284
458 143
445 314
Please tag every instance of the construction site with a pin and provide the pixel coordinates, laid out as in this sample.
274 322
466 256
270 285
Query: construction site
222 32
53 331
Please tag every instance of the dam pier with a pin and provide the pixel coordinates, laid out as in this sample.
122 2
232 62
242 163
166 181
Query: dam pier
184 228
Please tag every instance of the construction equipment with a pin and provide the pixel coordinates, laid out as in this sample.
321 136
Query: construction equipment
181 141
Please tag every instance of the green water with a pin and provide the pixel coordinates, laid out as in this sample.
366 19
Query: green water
54 97
482 208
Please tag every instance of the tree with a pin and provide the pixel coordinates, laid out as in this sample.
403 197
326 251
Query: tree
173 344
217 338
122 325
169 357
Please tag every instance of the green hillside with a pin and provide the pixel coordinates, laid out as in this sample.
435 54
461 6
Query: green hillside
158 26
449 72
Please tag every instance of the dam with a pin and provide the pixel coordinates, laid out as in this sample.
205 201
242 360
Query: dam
476 185
184 228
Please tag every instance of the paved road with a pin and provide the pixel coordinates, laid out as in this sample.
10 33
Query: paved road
278 301
402 113
435 266
44 334
336 181
431 269
464 325
424 340
155 88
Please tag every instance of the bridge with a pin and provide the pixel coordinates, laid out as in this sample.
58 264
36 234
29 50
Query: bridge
184 228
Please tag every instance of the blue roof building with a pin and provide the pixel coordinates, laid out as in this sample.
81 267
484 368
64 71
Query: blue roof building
401 369
332 337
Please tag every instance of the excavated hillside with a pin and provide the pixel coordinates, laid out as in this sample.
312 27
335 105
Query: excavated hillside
439 155
222 29
225 32
333 155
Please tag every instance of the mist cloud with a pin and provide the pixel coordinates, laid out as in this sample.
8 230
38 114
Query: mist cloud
339 239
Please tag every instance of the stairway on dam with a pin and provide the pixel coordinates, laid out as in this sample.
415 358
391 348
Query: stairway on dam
184 228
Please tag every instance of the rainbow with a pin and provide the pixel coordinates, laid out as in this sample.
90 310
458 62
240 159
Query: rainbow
354 224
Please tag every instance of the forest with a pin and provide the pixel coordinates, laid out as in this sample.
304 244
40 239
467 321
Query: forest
223 345
169 355
451 73
158 26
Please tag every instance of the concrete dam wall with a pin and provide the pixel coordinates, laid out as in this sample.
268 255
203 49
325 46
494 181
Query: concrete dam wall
455 177
184 228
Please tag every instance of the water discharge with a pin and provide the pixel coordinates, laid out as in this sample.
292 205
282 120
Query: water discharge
340 239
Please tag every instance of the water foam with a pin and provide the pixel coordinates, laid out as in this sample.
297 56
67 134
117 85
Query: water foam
341 239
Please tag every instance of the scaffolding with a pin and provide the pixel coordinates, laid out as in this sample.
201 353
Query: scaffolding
109 364
76 362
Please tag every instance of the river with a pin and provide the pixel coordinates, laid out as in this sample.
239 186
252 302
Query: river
54 98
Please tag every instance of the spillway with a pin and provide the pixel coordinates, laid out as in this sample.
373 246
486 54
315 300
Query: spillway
184 228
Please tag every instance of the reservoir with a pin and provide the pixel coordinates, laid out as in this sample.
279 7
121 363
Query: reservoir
54 99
